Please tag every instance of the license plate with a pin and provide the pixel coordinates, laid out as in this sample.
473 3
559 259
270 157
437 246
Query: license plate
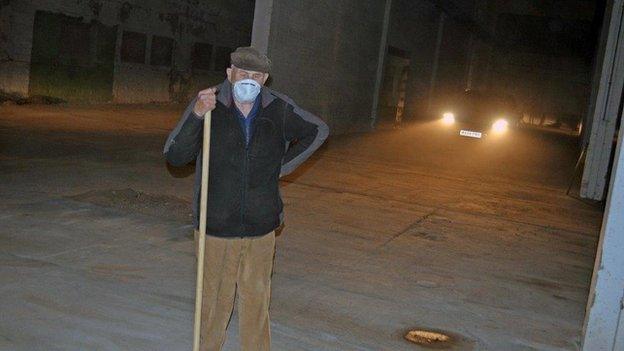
470 134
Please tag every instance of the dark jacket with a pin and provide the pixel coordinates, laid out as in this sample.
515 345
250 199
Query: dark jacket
243 196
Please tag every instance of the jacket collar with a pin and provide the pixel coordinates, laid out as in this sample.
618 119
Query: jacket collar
224 95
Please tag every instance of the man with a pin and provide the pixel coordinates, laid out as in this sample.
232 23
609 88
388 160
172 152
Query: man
257 136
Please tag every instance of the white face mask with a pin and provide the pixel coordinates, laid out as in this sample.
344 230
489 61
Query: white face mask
246 90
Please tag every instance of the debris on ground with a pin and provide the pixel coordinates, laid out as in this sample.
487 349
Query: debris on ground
20 99
129 200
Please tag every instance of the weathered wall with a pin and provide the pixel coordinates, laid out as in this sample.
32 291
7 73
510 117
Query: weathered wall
498 45
413 28
15 45
541 54
224 23
324 56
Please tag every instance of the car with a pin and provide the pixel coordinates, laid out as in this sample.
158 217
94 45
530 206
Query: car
479 114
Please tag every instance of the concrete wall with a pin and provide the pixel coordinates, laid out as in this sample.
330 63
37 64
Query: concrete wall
550 72
224 23
15 44
473 54
325 55
413 28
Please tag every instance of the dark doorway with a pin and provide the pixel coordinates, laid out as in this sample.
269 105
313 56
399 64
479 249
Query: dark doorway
392 93
71 59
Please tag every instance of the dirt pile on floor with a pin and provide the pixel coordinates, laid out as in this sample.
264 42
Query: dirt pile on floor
19 99
130 200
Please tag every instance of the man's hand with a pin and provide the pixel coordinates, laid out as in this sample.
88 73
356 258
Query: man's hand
206 101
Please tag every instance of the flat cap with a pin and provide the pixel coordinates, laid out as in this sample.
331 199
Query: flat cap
247 57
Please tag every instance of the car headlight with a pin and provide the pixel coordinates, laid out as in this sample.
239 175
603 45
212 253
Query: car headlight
500 125
448 118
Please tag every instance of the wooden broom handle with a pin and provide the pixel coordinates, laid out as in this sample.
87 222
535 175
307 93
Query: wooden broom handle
202 229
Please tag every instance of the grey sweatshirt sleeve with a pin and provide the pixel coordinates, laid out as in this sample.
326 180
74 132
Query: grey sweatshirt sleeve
305 133
185 141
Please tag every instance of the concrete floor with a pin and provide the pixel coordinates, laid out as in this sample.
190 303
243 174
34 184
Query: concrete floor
384 232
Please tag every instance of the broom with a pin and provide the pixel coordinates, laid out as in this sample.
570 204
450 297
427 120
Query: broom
202 229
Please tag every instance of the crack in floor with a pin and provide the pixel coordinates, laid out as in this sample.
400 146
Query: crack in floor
407 229
443 207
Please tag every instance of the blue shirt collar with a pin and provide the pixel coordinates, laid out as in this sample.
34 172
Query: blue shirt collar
246 123
254 109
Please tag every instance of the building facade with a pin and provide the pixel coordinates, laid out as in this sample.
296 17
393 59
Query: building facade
119 51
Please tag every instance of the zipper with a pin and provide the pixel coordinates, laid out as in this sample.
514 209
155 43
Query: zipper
245 174
244 186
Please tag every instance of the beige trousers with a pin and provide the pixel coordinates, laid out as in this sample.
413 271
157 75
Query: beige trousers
239 267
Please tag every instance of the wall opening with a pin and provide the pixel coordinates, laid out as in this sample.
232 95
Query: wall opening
72 59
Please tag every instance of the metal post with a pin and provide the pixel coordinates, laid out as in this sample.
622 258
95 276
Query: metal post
606 107
383 43
603 329
472 43
596 75
436 59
